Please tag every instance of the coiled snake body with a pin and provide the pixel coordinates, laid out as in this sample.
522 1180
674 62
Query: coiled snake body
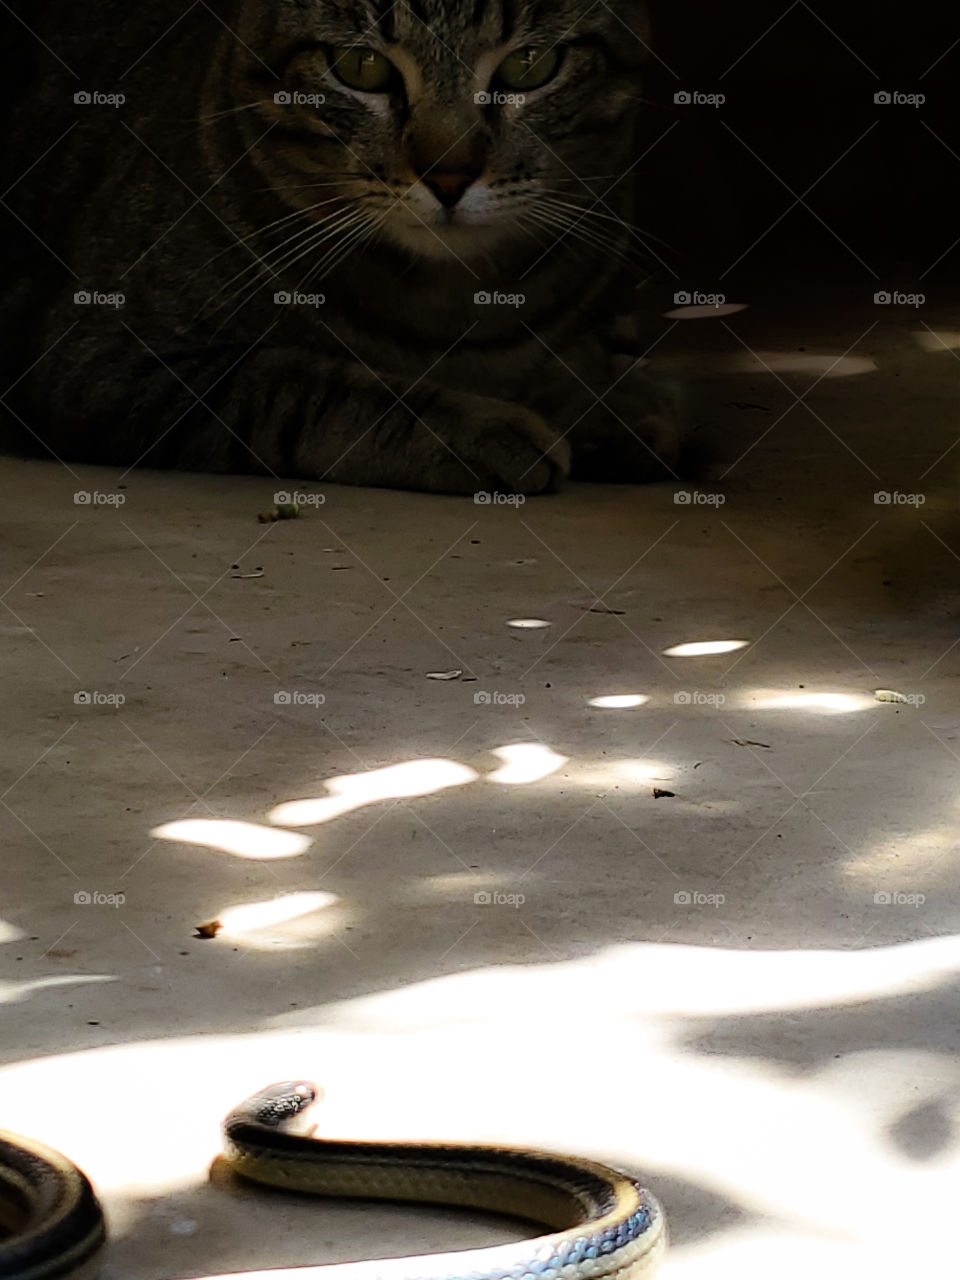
603 1224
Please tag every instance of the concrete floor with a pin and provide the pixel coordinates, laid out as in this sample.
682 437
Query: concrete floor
773 1050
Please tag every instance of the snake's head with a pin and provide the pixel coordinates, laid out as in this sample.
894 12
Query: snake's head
279 1102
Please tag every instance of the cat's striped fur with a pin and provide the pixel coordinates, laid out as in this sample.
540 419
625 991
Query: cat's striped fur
201 198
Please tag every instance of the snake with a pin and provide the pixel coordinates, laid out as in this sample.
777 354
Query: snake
602 1225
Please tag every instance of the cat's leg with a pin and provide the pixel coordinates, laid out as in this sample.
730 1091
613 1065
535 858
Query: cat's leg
292 413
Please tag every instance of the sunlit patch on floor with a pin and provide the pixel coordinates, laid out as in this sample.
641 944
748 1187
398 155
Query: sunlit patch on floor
705 312
243 839
249 920
352 791
525 762
827 365
528 624
9 932
702 648
616 701
938 339
829 703
624 774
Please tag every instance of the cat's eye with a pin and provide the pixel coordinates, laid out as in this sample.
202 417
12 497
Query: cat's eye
529 68
361 68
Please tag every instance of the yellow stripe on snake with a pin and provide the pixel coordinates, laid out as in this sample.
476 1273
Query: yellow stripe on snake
603 1224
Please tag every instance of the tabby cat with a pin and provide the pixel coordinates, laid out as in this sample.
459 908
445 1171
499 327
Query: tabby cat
370 242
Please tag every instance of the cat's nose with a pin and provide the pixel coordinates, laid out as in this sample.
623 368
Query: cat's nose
449 186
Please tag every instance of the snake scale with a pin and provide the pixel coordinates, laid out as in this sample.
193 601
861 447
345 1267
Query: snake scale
602 1223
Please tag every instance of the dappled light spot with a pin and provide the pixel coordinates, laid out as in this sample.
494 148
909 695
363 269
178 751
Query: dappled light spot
528 624
895 866
354 790
938 340
623 773
618 701
702 648
830 703
827 365
9 932
705 312
525 762
243 839
14 992
276 922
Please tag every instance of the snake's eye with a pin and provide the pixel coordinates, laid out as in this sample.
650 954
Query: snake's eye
361 68
530 67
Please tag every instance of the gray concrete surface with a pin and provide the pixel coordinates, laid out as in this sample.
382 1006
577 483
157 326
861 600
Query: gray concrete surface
774 1053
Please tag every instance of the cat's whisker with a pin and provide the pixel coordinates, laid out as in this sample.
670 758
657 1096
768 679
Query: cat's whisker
563 223
623 222
351 244
599 233
289 261
274 257
228 111
243 242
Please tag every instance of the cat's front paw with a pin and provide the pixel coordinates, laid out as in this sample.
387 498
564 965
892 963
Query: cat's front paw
496 447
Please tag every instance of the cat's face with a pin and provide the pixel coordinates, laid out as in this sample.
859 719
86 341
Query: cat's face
445 127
